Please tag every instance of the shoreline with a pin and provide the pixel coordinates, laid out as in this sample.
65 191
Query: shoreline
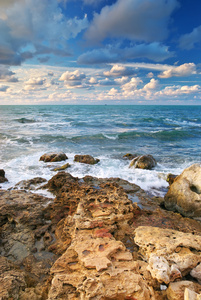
87 242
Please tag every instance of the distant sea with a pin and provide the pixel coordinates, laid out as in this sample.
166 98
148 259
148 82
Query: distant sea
172 134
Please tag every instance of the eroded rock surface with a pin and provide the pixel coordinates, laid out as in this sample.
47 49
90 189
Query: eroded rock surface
2 176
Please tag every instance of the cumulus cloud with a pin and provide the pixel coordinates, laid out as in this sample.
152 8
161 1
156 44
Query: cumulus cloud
141 20
122 80
179 90
152 85
29 28
72 76
35 81
188 41
132 84
153 51
119 70
186 69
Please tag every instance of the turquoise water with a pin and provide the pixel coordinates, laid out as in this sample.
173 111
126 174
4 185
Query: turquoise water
172 134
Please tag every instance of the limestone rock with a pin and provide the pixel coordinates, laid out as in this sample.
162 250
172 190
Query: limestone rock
2 176
86 159
64 167
176 290
196 273
53 157
31 184
143 162
171 254
191 295
130 156
184 194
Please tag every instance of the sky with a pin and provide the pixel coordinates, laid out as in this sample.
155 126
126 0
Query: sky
100 52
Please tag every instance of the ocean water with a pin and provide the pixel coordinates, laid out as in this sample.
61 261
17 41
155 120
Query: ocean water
172 134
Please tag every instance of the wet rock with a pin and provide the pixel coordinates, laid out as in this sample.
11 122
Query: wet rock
143 162
171 254
171 178
184 194
53 157
176 290
2 176
130 156
86 159
64 167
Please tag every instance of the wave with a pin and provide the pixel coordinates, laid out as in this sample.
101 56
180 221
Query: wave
25 120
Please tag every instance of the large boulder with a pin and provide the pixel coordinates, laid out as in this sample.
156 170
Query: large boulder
86 159
2 176
184 195
143 162
53 157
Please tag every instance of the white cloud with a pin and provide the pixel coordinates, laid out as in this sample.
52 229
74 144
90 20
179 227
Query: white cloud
119 70
188 41
186 69
179 90
152 85
132 84
122 80
35 81
141 20
71 76
7 75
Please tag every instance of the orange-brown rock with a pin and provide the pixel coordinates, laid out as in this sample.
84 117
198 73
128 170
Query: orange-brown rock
143 162
53 157
86 159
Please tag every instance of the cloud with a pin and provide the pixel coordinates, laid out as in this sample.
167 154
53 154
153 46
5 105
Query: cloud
154 51
179 90
152 85
132 84
122 80
186 69
7 75
30 28
35 81
4 88
119 70
188 41
141 20
106 82
72 76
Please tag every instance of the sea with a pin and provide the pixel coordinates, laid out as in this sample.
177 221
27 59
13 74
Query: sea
171 134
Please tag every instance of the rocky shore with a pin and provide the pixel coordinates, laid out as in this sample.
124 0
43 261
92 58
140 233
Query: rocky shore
100 239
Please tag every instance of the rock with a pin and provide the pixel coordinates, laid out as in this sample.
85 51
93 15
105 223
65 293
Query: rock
143 162
191 295
130 156
31 184
171 178
176 290
171 254
53 157
86 159
2 176
184 194
196 273
64 167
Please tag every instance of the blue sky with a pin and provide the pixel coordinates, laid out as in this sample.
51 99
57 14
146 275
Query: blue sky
100 52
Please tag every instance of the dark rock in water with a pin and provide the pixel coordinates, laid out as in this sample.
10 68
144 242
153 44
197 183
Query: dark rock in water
64 167
53 157
143 162
184 195
171 178
2 176
86 159
130 156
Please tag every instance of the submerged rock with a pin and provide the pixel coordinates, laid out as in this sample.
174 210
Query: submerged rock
2 176
64 167
53 157
86 159
143 162
130 156
184 194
